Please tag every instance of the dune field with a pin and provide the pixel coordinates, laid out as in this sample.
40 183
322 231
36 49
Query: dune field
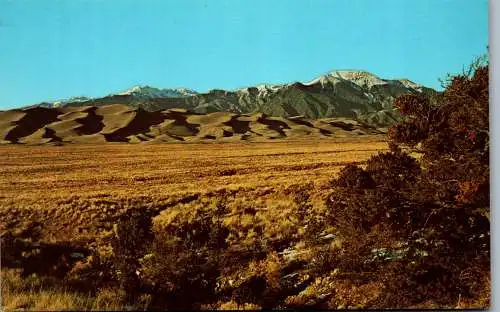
121 123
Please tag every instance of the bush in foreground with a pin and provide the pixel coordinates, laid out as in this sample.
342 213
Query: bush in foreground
422 227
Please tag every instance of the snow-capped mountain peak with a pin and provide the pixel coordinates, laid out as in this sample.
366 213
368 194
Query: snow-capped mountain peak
359 77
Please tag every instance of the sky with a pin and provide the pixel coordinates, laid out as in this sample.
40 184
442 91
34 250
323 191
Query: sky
55 49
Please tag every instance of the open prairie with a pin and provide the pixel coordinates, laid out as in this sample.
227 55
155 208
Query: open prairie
51 183
74 195
43 172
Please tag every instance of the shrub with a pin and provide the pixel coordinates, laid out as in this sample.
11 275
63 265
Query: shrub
184 263
133 236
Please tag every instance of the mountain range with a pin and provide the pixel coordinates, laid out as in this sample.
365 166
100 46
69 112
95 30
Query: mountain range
353 94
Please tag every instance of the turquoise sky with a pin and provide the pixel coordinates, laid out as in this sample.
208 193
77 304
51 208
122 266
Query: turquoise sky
52 49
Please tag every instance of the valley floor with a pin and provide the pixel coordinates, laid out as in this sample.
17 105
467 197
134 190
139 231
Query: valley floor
71 187
74 194
51 173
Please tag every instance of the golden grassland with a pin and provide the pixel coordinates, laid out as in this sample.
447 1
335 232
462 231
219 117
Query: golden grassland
44 173
76 192
73 188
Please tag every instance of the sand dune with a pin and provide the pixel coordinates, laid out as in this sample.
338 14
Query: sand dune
16 124
121 123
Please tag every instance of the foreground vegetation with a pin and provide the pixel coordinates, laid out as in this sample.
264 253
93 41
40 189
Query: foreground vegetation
394 231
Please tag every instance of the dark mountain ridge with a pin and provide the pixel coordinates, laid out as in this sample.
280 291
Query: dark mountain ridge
357 95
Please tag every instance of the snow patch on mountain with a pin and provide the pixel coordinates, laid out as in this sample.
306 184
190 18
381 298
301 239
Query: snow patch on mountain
149 92
323 80
75 99
410 84
263 90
